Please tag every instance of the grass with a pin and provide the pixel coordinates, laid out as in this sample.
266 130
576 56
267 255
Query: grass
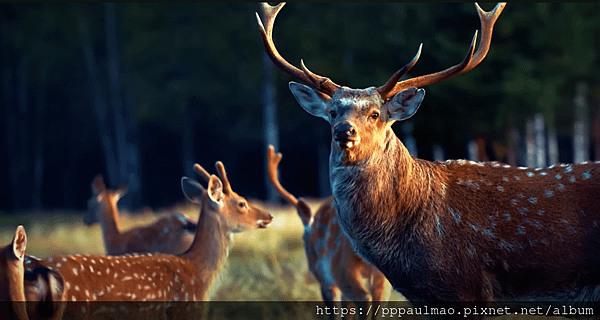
263 265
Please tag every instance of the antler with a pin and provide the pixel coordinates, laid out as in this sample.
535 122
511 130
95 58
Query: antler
220 170
487 20
273 163
223 175
321 84
202 172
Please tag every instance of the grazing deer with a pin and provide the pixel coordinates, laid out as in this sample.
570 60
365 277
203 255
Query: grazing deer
341 273
162 277
12 273
455 230
172 234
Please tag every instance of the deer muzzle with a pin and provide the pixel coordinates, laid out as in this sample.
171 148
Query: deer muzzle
345 135
265 222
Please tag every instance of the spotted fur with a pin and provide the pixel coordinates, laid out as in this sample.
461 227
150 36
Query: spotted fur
157 277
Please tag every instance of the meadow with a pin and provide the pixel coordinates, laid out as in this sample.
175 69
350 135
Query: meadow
263 265
266 276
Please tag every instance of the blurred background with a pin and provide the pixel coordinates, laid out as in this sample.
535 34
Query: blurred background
140 92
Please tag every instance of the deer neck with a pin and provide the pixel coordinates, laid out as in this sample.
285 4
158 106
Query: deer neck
111 228
388 188
210 248
12 279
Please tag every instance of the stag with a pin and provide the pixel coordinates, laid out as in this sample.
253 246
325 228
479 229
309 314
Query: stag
455 230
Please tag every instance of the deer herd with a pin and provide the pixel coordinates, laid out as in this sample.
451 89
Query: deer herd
445 231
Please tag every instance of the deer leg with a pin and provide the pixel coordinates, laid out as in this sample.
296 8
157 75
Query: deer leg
332 297
381 288
354 289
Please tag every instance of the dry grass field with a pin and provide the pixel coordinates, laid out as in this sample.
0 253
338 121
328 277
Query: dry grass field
265 266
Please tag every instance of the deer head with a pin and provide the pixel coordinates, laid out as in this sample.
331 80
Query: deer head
100 197
360 119
237 212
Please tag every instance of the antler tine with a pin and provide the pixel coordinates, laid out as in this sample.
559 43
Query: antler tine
273 163
202 172
487 20
223 175
389 85
322 84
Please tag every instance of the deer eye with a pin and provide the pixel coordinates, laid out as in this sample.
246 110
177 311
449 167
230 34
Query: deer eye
332 113
374 115
243 205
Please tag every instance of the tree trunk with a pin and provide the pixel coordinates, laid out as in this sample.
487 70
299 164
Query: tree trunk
438 153
19 140
472 150
581 141
596 133
126 165
553 156
271 130
38 168
187 142
98 102
529 144
512 155
540 141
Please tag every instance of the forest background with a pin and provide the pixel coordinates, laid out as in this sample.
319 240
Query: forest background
139 92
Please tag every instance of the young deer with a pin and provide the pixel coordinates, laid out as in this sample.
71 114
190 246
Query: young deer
172 234
341 273
454 230
162 277
12 273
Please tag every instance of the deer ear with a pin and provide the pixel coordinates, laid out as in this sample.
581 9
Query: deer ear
215 189
192 190
304 212
98 185
122 190
405 104
19 242
310 100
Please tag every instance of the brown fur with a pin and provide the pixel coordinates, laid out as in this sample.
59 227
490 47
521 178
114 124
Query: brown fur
11 275
454 230
172 234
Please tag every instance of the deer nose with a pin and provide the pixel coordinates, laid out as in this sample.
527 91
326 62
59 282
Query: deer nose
343 132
